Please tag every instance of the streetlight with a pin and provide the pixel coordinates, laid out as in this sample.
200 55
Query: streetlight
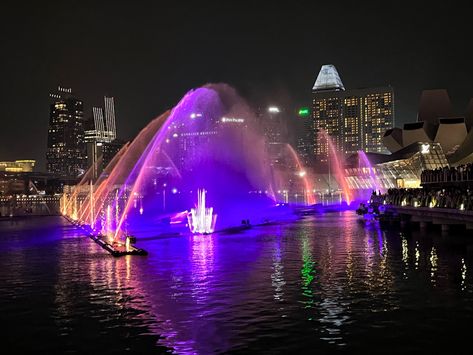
195 115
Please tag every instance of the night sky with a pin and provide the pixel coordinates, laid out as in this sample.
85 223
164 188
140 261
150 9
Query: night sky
148 55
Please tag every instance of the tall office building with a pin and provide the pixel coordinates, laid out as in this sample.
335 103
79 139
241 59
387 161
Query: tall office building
100 136
354 119
305 136
102 127
109 108
274 129
188 141
66 152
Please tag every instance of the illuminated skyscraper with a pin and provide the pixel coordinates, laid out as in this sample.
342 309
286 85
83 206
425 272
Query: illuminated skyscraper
66 152
100 136
354 119
305 136
100 127
111 131
275 132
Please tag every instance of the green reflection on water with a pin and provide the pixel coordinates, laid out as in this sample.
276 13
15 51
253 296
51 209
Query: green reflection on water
307 273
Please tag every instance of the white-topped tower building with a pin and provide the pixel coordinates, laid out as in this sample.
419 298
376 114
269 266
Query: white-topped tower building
355 119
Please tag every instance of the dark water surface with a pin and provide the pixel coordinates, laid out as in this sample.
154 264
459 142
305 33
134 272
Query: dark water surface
325 284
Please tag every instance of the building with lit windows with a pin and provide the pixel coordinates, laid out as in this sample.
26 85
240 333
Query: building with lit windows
66 151
101 126
439 138
29 183
274 129
189 140
354 119
101 136
401 169
17 166
305 136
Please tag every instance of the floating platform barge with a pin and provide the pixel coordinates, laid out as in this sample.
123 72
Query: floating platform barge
118 249
115 248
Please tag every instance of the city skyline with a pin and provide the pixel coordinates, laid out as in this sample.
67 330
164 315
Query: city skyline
223 177
151 61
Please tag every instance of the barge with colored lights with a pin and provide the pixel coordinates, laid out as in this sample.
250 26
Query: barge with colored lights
114 248
118 248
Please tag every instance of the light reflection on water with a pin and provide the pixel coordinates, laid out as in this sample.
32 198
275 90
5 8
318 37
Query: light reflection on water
277 276
326 282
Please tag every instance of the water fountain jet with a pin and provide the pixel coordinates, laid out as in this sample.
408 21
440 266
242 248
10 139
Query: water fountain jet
336 165
201 219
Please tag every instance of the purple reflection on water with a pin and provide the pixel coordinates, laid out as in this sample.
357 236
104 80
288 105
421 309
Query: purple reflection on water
317 283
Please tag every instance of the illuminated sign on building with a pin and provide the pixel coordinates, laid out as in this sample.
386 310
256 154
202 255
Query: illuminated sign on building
232 120
303 112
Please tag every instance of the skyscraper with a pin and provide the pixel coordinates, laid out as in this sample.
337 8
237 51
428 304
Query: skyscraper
110 118
100 136
354 119
305 136
275 132
100 127
66 153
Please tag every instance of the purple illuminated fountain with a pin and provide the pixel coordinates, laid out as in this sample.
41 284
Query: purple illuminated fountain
364 164
209 144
